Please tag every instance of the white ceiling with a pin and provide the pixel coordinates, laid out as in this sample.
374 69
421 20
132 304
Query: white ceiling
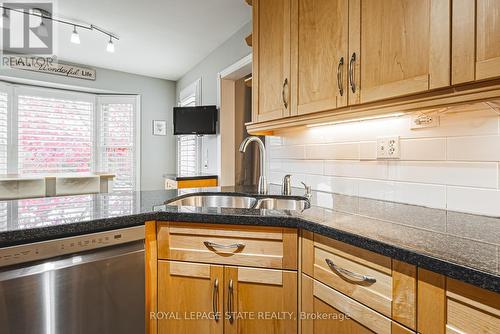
158 38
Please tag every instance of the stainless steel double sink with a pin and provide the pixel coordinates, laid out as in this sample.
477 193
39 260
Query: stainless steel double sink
242 202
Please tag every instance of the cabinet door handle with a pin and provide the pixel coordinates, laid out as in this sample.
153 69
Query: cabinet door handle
350 274
215 299
283 95
351 72
230 301
213 245
340 76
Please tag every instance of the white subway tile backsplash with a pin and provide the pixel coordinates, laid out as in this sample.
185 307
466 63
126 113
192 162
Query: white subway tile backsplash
473 174
440 167
376 189
429 195
275 165
423 149
368 150
484 148
333 151
304 166
287 152
474 200
359 169
338 185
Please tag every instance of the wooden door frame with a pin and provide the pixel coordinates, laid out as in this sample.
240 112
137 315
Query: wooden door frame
226 80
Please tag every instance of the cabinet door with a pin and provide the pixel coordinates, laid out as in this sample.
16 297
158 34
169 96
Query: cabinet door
261 301
325 310
189 296
398 47
475 40
488 39
271 60
449 306
319 55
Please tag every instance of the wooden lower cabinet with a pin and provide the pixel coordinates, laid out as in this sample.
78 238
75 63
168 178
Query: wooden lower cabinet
449 306
203 298
359 292
325 310
263 301
189 296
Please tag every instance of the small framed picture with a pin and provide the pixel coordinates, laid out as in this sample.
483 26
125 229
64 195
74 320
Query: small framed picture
159 128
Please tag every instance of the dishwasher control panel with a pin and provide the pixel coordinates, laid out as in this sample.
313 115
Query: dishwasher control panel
57 247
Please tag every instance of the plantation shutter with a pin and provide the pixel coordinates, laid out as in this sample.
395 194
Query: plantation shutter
55 134
117 140
188 145
3 131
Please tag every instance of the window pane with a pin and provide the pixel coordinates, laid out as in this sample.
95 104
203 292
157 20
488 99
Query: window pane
55 136
117 143
3 132
187 145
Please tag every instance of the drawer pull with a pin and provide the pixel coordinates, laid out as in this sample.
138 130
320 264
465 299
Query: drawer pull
230 302
285 100
340 77
351 72
215 300
348 273
213 245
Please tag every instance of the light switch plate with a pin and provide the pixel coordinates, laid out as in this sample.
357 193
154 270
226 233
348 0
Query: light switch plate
388 148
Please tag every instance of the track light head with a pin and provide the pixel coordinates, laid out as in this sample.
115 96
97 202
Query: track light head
75 37
111 46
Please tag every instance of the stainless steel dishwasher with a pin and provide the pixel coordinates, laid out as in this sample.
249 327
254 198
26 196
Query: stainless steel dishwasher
87 284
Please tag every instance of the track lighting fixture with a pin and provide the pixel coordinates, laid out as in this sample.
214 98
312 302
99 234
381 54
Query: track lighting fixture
111 46
43 31
75 37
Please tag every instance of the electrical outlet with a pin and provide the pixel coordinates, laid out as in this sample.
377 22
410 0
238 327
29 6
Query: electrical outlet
388 148
421 121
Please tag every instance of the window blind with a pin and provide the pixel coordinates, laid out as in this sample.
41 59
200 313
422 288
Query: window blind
117 143
3 132
54 135
188 145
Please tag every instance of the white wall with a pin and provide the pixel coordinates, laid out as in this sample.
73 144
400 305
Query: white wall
158 153
225 55
455 166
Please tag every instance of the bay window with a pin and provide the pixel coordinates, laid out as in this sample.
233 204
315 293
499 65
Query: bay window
49 132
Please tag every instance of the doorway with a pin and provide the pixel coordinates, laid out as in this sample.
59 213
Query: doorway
235 102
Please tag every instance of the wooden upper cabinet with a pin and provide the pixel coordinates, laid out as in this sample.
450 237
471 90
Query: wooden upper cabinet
488 39
476 40
398 47
319 55
271 62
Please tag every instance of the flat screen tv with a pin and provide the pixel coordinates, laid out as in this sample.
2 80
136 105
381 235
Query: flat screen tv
195 120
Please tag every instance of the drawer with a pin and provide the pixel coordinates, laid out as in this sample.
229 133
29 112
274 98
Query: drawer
387 286
268 247
470 309
321 299
201 183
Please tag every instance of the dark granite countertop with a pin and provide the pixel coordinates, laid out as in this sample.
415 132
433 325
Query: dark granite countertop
461 246
183 177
